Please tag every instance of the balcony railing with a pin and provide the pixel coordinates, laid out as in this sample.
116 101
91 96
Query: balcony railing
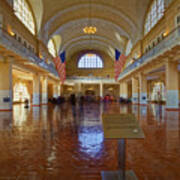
90 79
13 45
172 39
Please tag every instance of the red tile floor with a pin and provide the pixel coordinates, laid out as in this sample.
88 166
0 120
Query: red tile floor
65 143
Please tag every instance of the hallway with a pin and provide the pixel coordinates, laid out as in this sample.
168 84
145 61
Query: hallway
60 142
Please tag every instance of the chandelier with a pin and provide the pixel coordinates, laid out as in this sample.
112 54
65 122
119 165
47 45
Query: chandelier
89 29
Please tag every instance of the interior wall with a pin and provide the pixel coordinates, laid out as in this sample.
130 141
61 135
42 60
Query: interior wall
91 87
129 90
67 90
50 91
107 71
112 90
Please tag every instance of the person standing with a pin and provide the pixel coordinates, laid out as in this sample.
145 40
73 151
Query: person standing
73 103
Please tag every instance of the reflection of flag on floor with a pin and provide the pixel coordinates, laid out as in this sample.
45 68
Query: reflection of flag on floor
60 63
120 60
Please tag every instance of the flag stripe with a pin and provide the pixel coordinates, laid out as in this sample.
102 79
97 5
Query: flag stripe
60 65
120 60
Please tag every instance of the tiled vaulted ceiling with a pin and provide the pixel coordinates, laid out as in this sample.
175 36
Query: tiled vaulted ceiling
116 21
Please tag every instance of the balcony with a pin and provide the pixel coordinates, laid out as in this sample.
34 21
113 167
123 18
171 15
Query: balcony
170 41
10 43
90 79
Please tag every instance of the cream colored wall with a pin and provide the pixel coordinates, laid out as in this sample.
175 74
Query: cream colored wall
110 89
171 13
129 90
92 87
155 32
135 52
67 90
50 90
108 69
5 75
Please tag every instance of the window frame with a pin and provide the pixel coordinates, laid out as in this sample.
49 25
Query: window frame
153 15
91 65
24 13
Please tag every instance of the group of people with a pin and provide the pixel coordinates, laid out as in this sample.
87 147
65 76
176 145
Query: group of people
81 99
73 100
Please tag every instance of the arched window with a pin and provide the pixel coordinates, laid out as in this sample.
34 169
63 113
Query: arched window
156 11
90 61
23 12
51 48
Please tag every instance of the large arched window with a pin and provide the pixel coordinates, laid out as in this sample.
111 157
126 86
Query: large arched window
90 60
155 12
23 12
51 48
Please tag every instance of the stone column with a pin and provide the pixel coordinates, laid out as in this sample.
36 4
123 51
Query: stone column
135 95
143 89
59 89
101 90
78 89
36 90
120 90
172 84
6 91
124 90
55 90
44 90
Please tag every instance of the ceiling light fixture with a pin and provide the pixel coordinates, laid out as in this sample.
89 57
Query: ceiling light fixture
90 29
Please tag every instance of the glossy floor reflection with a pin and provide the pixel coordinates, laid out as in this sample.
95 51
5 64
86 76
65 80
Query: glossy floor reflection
67 143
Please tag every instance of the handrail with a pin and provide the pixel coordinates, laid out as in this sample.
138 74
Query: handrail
155 50
86 77
16 46
91 79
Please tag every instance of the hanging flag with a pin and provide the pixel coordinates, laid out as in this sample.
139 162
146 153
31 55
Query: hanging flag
120 60
60 63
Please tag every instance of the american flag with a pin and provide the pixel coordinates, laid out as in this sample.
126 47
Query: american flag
60 64
120 60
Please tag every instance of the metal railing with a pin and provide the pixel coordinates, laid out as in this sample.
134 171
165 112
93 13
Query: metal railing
17 47
172 39
90 79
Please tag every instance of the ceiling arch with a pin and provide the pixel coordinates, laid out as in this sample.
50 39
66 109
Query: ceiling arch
58 40
93 6
97 13
96 21
38 10
117 21
86 37
106 30
86 45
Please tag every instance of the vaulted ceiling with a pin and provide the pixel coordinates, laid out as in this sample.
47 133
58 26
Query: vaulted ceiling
117 21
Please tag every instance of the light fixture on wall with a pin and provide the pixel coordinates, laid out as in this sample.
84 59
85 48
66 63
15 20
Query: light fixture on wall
10 31
70 89
110 89
90 29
